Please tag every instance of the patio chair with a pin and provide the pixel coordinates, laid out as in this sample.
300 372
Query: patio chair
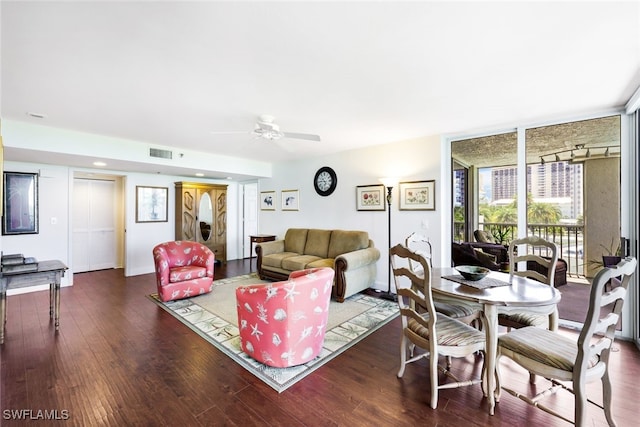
487 243
483 236
433 332
560 358
466 254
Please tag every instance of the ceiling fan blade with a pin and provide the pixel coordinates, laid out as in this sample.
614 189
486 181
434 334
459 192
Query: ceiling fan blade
307 136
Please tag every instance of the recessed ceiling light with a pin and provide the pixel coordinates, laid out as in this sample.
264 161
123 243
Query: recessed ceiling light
36 115
99 164
199 174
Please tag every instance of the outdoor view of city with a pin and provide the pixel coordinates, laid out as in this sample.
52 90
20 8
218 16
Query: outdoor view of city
554 206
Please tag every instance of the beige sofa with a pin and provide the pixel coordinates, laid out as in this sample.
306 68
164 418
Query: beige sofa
351 254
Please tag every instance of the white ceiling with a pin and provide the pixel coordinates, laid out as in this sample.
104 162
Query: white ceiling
356 73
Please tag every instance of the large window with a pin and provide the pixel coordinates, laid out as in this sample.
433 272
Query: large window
484 180
561 182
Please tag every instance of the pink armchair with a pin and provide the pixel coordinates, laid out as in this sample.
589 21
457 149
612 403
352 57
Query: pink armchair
183 269
283 324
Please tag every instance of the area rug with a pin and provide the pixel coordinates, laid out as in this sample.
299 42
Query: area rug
213 316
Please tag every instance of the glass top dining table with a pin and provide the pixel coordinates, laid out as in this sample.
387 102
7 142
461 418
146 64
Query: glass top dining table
506 295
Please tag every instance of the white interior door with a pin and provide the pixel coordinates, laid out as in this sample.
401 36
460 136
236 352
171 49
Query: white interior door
94 239
80 244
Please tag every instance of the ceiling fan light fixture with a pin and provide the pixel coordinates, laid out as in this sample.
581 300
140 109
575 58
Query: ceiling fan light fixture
268 134
265 128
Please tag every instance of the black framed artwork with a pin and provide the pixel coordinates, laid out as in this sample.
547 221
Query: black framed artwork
20 203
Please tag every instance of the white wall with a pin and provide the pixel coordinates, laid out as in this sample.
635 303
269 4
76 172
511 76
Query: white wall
414 160
54 240
142 237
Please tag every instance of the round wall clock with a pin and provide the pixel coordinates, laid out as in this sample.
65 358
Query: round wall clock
325 181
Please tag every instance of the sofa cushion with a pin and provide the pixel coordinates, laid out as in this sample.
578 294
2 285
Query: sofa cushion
343 241
317 243
326 262
466 247
484 257
484 236
275 260
298 262
464 254
295 239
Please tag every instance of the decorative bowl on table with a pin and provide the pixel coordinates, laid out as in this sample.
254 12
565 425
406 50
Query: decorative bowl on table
472 272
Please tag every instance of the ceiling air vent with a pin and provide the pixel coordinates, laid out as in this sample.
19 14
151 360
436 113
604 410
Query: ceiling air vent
161 154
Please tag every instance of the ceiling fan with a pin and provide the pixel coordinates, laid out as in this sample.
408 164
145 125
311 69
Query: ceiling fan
265 128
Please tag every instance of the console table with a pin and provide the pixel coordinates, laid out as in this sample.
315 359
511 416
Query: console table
259 238
48 272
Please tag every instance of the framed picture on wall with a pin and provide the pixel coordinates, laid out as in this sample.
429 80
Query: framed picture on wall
418 196
267 200
290 200
370 198
20 203
151 204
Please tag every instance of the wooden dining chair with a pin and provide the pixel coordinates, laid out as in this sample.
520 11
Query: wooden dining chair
560 358
435 333
467 313
539 258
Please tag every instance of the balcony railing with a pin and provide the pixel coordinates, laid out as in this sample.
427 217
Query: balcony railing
569 239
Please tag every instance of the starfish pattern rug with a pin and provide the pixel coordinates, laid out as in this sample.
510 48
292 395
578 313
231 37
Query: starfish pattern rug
213 316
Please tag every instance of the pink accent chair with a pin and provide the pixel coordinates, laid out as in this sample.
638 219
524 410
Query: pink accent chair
183 269
283 323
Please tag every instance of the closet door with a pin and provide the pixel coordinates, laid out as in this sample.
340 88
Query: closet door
94 243
80 220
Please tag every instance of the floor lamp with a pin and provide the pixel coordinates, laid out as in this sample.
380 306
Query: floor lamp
388 182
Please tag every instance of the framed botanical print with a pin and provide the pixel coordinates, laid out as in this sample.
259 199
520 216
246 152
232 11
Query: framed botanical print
418 195
370 198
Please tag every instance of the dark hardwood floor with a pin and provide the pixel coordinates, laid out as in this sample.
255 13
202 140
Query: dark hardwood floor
120 360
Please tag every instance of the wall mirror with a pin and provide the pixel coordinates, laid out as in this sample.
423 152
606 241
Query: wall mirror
20 204
205 213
